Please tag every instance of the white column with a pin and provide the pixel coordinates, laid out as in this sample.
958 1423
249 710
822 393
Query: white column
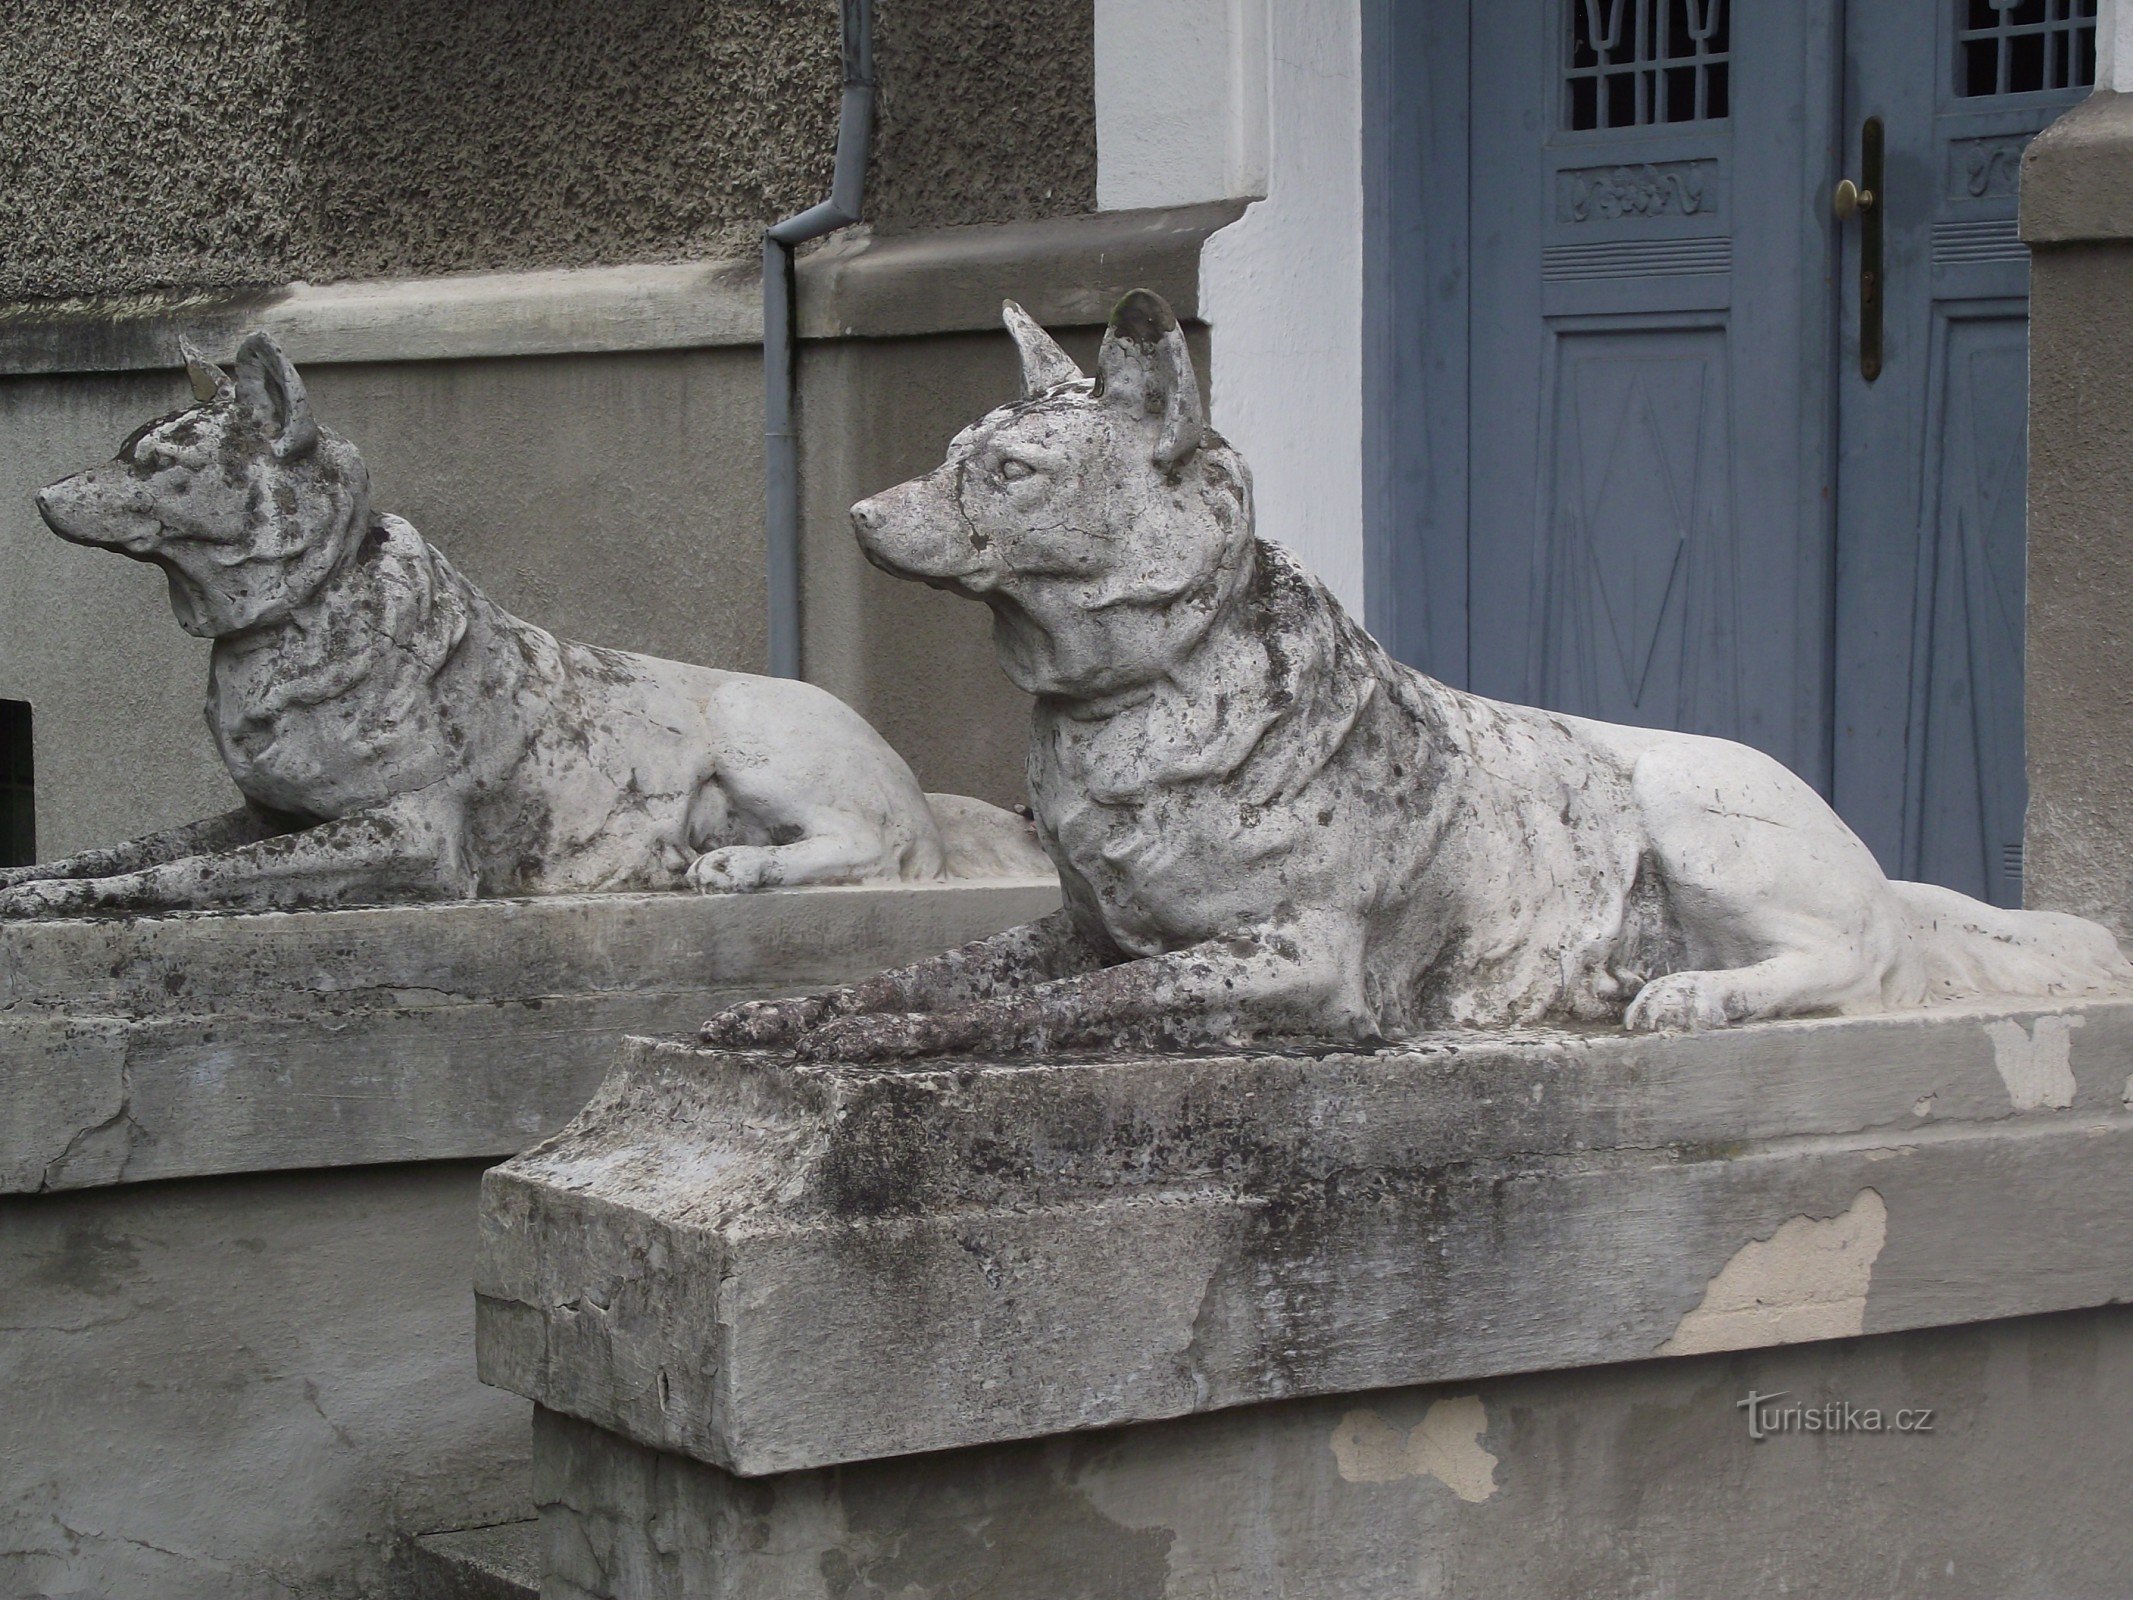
1180 101
1282 291
2114 45
1215 99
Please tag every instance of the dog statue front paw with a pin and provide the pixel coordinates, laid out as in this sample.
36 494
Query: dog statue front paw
1681 1002
767 1024
43 897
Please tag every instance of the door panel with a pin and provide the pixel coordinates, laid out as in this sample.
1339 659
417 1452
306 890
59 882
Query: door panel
1933 457
1637 582
1642 435
1968 790
1649 538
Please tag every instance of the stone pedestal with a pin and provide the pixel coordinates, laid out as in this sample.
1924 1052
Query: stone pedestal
2077 215
249 1378
827 1330
134 1048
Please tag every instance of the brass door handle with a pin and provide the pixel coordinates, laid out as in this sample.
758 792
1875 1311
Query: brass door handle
1849 200
1863 200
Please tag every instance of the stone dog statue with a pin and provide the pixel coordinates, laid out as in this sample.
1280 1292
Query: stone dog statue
398 735
1265 825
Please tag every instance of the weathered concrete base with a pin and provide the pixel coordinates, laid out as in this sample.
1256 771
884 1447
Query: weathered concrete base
772 1267
248 1388
243 1388
1638 1479
160 1047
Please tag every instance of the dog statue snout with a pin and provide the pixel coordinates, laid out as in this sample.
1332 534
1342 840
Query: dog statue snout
60 504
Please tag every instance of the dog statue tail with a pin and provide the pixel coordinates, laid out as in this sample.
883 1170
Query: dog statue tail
987 841
1972 949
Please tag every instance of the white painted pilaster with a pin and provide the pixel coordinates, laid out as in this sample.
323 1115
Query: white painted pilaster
2114 45
1282 291
1180 101
1221 99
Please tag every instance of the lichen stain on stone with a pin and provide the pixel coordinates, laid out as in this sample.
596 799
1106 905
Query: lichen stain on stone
2035 1062
1808 1280
1445 1445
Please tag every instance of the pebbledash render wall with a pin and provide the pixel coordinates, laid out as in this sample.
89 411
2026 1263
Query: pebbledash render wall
240 143
514 250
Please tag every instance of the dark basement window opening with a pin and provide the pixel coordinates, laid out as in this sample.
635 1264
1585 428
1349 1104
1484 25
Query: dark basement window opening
18 786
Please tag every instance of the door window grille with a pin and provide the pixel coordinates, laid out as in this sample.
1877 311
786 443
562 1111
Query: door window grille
18 788
1636 63
2024 46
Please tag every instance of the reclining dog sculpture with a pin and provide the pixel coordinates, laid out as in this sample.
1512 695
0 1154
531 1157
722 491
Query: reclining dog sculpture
1265 825
397 735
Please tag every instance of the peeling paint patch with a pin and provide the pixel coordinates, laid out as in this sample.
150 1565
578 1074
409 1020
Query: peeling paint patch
2126 1099
1806 1281
1445 1445
2033 1063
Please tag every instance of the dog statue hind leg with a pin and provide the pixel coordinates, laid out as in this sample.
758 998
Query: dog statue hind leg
835 806
1784 911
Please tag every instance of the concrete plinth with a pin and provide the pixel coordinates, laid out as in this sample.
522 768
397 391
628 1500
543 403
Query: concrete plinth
134 1048
248 1380
734 1279
1616 1481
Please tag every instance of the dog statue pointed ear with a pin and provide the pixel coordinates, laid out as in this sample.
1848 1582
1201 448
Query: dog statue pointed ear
1044 364
268 387
209 381
1145 368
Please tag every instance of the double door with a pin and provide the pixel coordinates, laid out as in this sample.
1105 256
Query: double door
1743 366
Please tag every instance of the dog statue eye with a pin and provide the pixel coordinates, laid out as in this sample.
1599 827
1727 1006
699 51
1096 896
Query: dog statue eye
1014 471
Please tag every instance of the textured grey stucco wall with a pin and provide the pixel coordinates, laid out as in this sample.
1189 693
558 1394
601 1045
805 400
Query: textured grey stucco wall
209 143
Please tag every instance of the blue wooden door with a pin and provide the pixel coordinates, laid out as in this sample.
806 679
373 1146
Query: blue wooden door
1933 464
1650 380
1630 464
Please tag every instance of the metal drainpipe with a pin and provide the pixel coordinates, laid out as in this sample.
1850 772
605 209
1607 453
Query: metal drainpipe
781 458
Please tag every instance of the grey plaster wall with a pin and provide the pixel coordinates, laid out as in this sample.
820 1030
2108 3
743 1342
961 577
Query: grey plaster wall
229 142
2076 181
615 499
243 1389
1638 1479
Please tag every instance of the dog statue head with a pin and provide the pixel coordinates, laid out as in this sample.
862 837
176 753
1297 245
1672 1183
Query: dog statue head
243 501
1102 520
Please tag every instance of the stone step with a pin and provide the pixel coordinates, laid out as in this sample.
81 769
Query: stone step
494 1563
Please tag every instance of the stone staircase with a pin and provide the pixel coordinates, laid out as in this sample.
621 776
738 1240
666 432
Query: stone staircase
501 1562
